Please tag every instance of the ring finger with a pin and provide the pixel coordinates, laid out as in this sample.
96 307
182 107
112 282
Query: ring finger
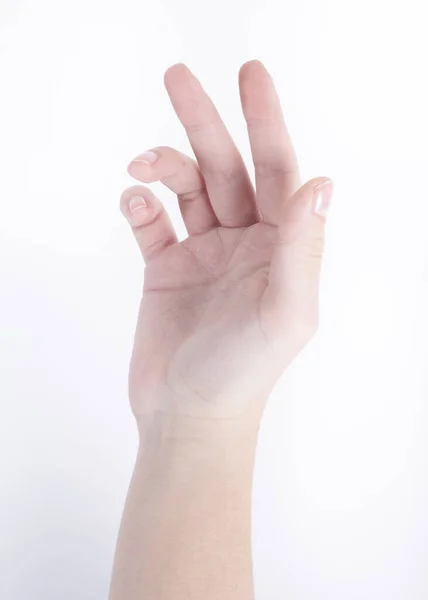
181 174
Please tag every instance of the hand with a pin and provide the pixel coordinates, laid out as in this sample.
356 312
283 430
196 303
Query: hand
226 310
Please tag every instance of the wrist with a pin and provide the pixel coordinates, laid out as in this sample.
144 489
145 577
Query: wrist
174 446
160 426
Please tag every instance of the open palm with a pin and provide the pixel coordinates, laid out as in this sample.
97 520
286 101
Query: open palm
227 309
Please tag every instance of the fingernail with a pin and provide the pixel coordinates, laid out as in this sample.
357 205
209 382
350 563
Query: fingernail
136 202
322 194
147 158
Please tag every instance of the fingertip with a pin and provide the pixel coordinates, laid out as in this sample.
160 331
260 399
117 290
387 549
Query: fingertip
136 204
310 188
141 171
173 72
318 181
251 65
322 196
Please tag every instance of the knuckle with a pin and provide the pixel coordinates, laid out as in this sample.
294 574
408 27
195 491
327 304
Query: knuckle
151 250
260 120
192 195
263 169
153 220
223 177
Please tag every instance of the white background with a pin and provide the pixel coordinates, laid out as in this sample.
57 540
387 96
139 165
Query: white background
341 484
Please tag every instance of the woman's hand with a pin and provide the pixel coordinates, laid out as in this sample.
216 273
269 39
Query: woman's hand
225 311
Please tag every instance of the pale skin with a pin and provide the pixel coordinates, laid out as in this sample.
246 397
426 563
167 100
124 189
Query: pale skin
223 314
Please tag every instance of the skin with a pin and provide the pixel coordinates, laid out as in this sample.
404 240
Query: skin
223 313
242 289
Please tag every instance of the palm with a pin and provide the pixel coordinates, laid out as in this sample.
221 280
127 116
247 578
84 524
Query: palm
201 321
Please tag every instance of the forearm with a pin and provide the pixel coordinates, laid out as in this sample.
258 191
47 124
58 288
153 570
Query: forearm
186 527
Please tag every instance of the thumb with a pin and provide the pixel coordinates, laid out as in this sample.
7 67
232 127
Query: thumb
291 298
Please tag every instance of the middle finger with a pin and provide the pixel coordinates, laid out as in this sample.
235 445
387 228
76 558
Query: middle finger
276 166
